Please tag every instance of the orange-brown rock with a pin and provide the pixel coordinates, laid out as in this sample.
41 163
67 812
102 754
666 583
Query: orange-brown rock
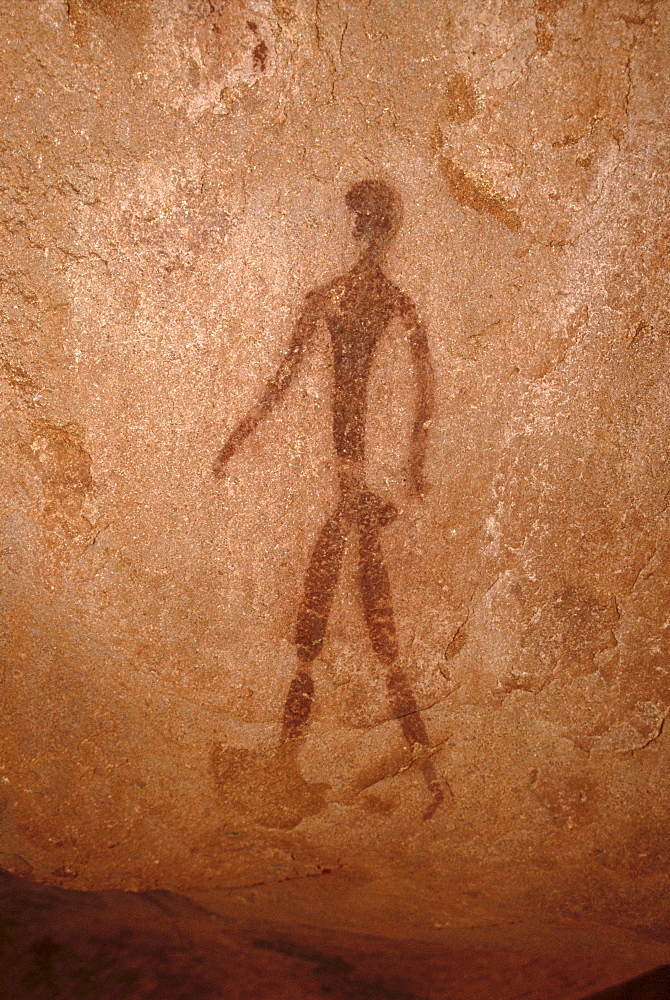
404 674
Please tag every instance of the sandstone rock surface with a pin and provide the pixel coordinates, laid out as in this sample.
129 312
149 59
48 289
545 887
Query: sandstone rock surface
174 175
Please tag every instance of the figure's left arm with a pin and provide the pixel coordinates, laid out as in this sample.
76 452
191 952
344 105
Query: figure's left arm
425 399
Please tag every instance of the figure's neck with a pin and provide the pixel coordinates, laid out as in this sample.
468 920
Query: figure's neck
371 259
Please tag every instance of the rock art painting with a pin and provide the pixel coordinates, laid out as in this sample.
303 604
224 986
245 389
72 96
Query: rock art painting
357 308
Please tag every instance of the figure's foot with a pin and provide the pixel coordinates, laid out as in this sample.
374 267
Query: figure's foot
266 786
438 798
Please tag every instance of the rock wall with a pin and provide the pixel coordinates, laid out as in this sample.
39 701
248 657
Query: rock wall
174 175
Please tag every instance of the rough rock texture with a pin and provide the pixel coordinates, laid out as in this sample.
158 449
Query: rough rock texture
173 182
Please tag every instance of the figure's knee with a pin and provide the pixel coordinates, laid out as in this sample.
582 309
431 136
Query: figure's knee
383 639
302 685
400 693
310 633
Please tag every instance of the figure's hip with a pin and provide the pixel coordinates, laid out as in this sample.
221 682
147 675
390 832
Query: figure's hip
357 502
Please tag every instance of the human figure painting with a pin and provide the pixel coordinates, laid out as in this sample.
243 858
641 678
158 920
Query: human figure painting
357 309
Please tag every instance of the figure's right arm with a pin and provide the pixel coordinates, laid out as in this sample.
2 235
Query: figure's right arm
274 390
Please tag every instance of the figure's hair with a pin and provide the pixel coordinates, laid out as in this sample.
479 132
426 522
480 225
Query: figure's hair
380 202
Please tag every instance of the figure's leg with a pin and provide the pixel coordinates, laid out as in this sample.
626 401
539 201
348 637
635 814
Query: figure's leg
378 609
266 784
310 630
376 594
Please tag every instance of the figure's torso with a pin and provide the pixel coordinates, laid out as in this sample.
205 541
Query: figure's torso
358 308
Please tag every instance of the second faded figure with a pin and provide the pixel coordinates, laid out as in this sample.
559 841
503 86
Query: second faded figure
357 309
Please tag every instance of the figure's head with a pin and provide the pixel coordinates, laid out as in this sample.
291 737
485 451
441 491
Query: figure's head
378 211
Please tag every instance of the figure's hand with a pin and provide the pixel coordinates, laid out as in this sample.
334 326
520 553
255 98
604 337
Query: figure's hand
420 485
416 481
221 460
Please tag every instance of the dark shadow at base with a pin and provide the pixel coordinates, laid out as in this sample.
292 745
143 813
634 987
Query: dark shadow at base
58 944
652 986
